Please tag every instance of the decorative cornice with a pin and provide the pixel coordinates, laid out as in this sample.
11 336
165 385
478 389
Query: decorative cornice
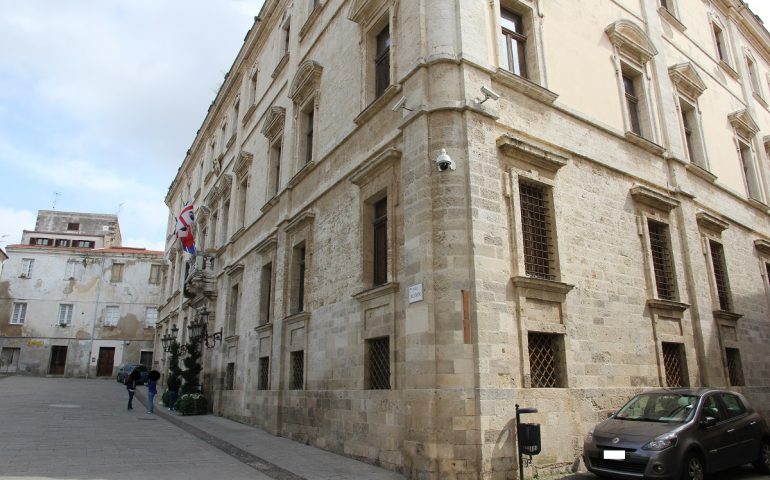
660 304
306 81
374 164
651 198
710 222
274 122
232 270
762 246
243 164
743 124
270 242
686 80
377 292
541 156
299 220
362 11
631 41
729 317
542 285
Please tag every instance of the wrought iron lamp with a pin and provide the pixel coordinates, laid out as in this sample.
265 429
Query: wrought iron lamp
199 330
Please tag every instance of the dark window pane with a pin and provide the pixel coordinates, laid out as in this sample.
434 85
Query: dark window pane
536 231
382 62
720 275
661 260
297 370
380 253
379 363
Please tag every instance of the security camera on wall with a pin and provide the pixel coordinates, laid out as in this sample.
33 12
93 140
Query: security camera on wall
444 161
488 93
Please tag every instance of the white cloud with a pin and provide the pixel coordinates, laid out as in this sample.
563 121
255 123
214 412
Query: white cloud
13 222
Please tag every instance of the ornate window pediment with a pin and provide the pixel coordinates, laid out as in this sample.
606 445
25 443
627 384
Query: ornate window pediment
274 122
743 124
710 222
242 164
306 81
363 11
651 198
686 80
631 41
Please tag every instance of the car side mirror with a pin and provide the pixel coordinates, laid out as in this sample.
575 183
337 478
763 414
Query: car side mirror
708 422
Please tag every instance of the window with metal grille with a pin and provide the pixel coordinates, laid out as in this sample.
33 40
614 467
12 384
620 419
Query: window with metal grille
378 359
229 376
297 365
734 367
298 279
546 370
536 231
380 253
674 365
263 383
720 275
265 293
515 43
382 62
661 260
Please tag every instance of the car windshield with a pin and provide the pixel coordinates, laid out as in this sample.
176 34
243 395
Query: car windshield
659 407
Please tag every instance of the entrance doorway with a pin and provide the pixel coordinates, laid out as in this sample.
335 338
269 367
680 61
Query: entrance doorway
9 360
58 360
145 358
106 361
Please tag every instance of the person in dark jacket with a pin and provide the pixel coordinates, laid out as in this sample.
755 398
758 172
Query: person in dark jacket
173 393
131 387
152 389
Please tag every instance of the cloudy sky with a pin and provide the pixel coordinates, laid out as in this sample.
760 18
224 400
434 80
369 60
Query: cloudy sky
100 100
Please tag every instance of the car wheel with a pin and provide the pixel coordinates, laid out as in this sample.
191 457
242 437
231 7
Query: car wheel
763 462
693 468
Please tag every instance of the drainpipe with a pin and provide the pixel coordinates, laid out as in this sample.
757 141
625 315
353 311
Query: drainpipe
96 313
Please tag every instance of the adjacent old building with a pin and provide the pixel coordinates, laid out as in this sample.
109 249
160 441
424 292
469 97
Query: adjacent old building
74 302
413 215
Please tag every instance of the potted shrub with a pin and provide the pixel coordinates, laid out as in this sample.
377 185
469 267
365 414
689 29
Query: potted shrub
192 404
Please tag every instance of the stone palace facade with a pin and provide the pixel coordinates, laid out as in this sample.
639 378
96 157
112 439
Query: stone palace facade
412 215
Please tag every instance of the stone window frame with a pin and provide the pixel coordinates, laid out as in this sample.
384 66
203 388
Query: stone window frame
299 234
263 373
233 307
251 92
669 11
285 45
18 313
632 52
762 248
117 271
267 250
722 45
373 16
242 171
681 352
753 76
233 122
377 178
559 359
689 86
745 130
368 353
273 130
305 94
313 10
711 229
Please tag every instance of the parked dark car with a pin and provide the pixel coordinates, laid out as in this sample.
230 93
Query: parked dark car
678 434
125 370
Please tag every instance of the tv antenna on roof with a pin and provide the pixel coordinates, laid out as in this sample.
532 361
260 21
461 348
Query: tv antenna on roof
120 207
56 196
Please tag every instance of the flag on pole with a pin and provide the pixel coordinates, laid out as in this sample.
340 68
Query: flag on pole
184 230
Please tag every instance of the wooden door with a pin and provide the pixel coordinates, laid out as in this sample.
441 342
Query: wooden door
9 360
106 361
58 360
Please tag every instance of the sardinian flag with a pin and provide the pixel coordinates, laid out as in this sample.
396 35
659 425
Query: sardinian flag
184 230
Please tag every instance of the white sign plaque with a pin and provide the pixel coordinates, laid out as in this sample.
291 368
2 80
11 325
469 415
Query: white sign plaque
415 293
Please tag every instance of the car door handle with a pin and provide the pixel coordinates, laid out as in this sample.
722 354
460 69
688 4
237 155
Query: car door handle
753 423
731 430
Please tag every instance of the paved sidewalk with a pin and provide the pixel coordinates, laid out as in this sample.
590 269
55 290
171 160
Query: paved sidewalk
276 457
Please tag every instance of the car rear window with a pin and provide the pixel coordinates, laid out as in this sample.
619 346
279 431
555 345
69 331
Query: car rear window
733 404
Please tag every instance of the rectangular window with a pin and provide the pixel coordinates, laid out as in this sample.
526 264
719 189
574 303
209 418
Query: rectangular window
545 360
117 273
225 221
720 42
232 317
230 376
253 87
265 293
308 118
145 358
26 267
720 275
661 260
19 313
297 365
286 36
749 171
73 227
214 222
378 363
85 244
734 367
753 76
382 62
514 43
632 104
263 382
692 136
62 242
71 270
298 279
536 231
41 241
151 317
242 193
65 314
111 316
674 365
275 166
380 247
154 275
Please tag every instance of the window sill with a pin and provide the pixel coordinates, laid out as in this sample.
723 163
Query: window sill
670 18
230 141
377 104
301 174
264 327
667 305
296 317
728 317
729 69
538 288
231 339
249 113
524 86
759 99
270 203
237 234
376 292
701 172
645 144
758 204
281 63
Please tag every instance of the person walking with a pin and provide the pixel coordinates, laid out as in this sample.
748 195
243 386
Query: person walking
131 387
152 389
